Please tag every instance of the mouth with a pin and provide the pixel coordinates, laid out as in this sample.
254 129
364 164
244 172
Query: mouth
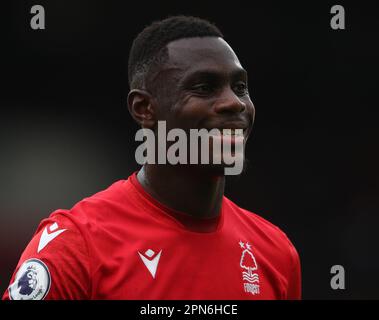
230 133
230 136
233 132
238 128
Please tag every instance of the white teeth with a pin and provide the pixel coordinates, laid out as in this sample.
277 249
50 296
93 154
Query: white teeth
227 132
238 133
232 132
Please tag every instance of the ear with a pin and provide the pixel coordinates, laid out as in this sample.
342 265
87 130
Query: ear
141 108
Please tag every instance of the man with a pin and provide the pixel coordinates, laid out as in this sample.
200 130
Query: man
168 232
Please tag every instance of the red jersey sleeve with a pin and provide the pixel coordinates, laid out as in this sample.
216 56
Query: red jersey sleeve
54 265
294 280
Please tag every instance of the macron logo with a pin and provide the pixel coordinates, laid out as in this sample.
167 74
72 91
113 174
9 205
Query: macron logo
150 263
49 235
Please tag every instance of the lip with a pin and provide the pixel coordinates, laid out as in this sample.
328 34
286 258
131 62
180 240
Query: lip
230 139
230 131
233 125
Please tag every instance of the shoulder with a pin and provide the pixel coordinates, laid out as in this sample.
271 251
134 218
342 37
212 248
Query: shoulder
275 246
60 254
108 197
267 232
255 219
93 209
54 265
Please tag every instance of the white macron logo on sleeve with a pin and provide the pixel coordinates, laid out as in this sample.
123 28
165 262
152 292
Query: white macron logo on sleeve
46 237
150 261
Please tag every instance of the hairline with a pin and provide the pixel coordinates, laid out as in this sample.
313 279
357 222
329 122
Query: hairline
164 56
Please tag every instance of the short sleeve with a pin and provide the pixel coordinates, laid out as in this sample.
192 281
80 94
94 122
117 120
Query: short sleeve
294 281
54 265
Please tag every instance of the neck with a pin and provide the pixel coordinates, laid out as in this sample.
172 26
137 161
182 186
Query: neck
183 189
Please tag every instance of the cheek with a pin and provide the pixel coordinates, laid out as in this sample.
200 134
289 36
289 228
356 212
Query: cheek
164 106
253 112
250 108
182 110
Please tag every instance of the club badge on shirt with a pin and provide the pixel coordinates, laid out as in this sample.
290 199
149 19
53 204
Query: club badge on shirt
249 267
32 281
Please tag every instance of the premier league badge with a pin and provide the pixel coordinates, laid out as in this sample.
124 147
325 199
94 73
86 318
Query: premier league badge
32 281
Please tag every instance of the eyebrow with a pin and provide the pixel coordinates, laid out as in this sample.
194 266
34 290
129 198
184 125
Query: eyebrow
213 74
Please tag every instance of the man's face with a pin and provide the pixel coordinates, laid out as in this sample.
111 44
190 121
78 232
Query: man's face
204 86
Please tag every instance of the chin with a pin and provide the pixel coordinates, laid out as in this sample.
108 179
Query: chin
219 170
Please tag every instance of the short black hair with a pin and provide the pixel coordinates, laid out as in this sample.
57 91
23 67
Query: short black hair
149 48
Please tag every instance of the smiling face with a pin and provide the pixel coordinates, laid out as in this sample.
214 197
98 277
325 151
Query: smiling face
203 85
200 84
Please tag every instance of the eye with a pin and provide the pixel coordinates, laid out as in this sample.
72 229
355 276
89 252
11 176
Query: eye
203 88
241 88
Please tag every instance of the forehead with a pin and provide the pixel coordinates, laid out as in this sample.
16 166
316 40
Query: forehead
195 54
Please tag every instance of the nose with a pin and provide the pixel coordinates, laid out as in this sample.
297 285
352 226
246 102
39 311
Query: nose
229 102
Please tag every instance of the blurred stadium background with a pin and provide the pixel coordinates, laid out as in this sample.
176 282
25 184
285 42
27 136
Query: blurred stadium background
65 132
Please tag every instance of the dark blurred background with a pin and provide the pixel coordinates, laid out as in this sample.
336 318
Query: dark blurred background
65 132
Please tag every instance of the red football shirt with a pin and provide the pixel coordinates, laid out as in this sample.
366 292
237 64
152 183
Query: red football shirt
123 244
